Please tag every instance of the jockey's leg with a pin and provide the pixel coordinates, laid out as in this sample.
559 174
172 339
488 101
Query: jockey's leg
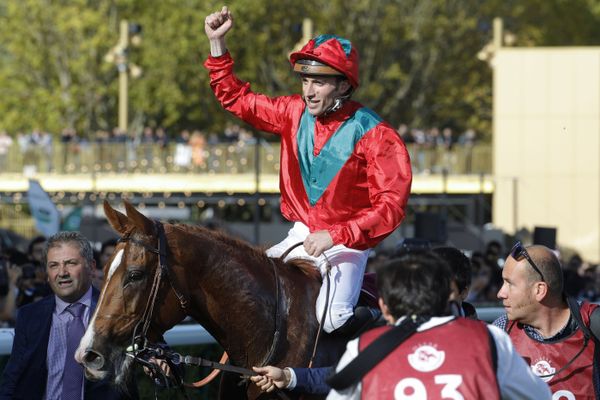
347 271
348 268
298 233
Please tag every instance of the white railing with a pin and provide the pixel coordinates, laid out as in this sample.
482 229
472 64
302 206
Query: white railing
180 335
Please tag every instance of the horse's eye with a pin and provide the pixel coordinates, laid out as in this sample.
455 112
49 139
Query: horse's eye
134 276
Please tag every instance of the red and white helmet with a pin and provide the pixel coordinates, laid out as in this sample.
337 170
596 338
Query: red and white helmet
327 55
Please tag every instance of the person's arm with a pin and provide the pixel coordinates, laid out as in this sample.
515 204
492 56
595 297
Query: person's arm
300 380
515 378
216 26
389 177
312 380
262 112
353 392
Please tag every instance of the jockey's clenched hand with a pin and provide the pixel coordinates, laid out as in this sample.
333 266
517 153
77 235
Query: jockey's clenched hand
218 23
317 242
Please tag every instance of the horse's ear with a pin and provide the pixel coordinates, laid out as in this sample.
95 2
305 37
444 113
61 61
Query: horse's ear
116 219
139 220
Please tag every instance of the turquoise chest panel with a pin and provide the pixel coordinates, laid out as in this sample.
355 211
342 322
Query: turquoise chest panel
318 172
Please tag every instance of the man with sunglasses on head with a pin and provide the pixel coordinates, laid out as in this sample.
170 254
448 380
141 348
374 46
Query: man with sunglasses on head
345 173
556 335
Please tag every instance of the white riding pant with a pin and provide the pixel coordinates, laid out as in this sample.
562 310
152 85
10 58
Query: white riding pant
347 270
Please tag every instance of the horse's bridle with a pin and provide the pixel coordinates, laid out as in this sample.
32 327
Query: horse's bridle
162 270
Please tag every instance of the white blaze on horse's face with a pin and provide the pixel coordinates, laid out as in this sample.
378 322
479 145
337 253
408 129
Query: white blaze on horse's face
114 265
88 338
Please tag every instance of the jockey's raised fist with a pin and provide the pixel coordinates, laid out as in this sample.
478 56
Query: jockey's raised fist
217 24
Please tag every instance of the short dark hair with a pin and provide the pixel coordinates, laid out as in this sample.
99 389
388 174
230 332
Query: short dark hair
460 265
85 248
417 283
34 241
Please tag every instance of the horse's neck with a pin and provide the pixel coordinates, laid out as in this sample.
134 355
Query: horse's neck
232 293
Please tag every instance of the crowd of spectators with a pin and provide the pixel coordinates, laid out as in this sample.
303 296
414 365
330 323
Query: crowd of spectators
432 150
438 145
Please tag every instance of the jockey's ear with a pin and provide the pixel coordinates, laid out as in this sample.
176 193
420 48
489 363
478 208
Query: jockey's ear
117 220
139 220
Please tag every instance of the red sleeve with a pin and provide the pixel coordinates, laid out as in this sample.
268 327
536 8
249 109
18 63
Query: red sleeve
389 177
262 112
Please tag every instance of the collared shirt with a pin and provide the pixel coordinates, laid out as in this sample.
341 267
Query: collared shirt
57 344
570 327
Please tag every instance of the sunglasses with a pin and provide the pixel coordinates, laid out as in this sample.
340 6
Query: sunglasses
519 252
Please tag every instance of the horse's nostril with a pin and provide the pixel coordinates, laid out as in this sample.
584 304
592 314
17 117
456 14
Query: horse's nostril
93 360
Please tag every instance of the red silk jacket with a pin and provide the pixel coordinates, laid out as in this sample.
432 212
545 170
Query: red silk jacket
365 200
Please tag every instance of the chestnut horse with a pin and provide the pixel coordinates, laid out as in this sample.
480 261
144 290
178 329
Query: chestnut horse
260 310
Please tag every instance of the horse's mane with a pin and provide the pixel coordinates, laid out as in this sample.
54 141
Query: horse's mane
307 267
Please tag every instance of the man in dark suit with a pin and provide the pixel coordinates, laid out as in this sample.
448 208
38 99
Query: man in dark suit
41 364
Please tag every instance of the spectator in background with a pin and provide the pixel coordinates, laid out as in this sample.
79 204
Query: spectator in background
420 140
446 142
102 140
460 266
147 147
118 146
183 151
161 139
547 328
106 251
486 280
467 141
5 145
70 149
35 250
198 146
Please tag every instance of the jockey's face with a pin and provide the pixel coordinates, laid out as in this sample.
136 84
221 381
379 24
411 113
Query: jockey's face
320 91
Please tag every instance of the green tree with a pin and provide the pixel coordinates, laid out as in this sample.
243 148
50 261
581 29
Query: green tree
418 57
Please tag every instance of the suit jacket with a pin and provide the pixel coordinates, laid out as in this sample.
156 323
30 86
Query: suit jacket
313 380
26 373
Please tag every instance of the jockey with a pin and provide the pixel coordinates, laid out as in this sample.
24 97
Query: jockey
345 173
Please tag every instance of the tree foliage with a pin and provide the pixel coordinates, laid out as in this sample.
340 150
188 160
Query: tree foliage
418 57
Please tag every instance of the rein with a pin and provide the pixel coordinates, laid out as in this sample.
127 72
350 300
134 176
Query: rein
322 320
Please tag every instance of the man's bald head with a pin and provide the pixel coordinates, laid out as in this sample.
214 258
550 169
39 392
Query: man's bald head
549 265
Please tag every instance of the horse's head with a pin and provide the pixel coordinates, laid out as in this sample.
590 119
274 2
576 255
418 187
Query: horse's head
135 299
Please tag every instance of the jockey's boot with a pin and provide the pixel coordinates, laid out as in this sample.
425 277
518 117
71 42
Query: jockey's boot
363 319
